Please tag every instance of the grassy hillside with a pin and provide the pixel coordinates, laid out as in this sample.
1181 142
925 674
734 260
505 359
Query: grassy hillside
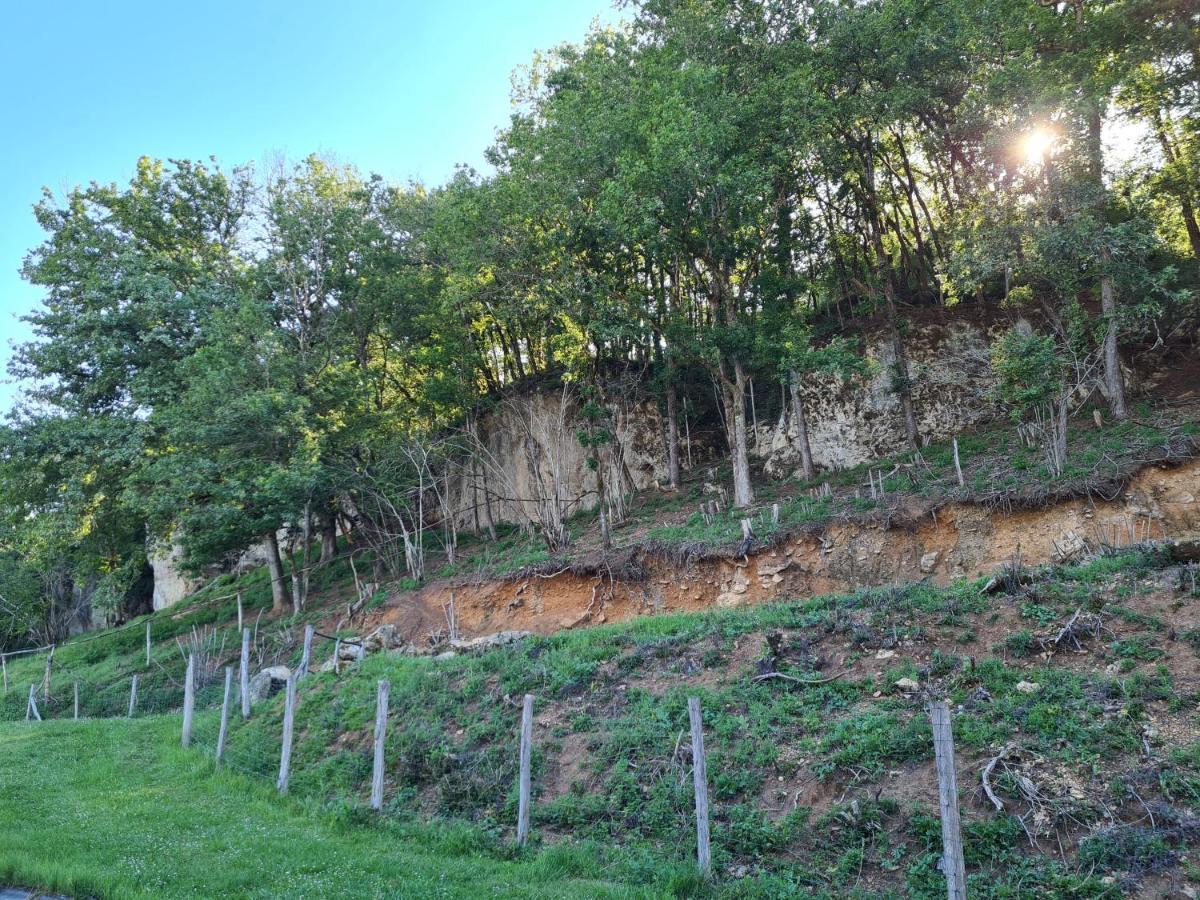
116 809
821 789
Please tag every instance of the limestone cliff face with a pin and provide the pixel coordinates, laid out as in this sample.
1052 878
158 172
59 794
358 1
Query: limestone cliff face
853 422
532 442
531 452
170 583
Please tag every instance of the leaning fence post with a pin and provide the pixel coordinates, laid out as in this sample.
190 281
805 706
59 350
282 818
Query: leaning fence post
189 698
77 699
307 654
4 666
224 713
952 850
700 782
381 712
244 673
31 709
285 753
958 466
133 695
523 782
147 643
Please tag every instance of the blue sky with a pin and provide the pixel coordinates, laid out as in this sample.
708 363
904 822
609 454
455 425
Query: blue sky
404 88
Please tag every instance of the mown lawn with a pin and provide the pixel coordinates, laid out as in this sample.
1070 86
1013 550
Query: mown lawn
115 808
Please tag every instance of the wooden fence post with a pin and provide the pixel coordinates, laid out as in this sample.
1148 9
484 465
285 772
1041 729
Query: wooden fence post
189 698
46 677
77 699
285 753
700 781
958 466
132 695
224 713
31 709
147 643
244 673
337 657
381 712
4 666
306 655
241 613
524 778
952 851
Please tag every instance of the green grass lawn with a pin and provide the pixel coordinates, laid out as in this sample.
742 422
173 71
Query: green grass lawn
115 808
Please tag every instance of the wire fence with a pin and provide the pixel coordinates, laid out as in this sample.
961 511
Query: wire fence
212 719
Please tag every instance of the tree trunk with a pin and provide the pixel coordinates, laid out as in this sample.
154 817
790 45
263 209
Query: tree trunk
1114 381
279 596
874 238
1060 428
743 492
1162 129
672 438
328 538
903 382
800 417
1190 224
489 520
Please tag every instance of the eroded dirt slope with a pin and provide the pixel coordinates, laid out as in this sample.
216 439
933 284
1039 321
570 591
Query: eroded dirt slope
955 540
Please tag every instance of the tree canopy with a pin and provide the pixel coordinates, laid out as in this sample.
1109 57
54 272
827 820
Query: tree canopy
714 194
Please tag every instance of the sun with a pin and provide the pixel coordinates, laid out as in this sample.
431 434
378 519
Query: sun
1036 144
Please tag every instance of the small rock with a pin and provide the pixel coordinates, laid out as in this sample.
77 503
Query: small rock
929 561
907 685
765 568
1068 547
448 654
1028 687
885 654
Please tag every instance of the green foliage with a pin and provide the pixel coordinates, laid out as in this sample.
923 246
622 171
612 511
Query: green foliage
710 196
1030 369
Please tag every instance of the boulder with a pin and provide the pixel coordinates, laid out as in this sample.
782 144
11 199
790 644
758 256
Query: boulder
382 638
346 653
1028 687
907 686
729 600
268 682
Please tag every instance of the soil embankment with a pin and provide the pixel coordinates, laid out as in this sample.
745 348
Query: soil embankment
951 541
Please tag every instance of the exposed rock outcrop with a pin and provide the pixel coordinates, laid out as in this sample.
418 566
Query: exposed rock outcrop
851 423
